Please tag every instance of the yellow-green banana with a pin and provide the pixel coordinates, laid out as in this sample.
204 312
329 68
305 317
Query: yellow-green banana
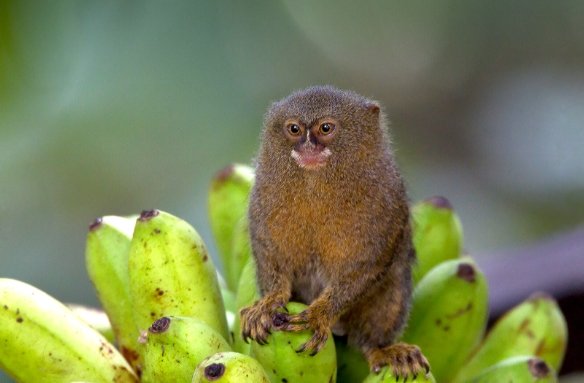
175 345
43 341
230 367
449 313
437 234
227 203
247 294
229 300
283 363
517 369
106 258
240 251
171 273
535 327
96 318
385 376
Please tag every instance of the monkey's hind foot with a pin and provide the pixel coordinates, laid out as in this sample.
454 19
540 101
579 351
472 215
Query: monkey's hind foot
404 359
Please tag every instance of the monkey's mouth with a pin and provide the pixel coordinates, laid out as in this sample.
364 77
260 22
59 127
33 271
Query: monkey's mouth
311 159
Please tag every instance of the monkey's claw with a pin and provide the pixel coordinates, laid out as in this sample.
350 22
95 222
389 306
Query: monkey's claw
404 359
316 343
304 321
256 320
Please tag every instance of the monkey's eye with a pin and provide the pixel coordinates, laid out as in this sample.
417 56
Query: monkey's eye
294 130
326 128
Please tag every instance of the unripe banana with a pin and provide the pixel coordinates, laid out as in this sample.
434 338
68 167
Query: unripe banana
43 341
385 376
229 300
240 250
95 318
106 259
448 317
535 327
228 200
172 274
351 364
283 363
518 369
230 367
247 294
175 345
437 234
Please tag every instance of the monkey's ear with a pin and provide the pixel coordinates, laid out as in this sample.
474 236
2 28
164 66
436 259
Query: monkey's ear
373 108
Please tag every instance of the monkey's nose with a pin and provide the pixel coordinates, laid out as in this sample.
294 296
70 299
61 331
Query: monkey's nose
310 139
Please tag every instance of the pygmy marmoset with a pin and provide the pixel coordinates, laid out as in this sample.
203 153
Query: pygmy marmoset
330 227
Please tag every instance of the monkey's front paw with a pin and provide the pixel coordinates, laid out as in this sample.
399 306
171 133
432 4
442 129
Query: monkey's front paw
256 320
405 359
304 321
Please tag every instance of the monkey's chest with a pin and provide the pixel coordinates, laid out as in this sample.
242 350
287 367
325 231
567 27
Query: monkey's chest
310 250
307 285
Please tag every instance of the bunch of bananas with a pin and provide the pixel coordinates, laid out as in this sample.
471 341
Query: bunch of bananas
173 318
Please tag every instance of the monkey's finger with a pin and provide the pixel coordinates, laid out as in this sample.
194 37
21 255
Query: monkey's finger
278 304
245 332
417 363
296 327
266 326
394 365
318 347
405 364
298 318
316 343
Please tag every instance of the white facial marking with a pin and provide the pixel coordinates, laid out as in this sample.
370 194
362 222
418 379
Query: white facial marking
296 155
311 162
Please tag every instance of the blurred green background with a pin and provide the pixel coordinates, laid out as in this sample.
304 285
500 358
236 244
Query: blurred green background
114 107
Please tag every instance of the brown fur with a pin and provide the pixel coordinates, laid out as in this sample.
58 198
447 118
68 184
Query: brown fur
337 238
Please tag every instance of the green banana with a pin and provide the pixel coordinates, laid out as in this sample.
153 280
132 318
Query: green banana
247 294
230 367
449 308
229 300
227 203
283 363
171 273
240 250
437 234
351 364
518 369
95 318
385 376
43 341
106 258
175 345
535 327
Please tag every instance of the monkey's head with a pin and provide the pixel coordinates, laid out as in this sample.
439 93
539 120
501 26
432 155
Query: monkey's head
321 126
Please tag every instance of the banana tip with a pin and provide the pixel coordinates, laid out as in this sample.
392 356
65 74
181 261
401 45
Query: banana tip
280 320
93 226
541 295
147 215
538 368
214 371
440 202
467 272
225 173
159 325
